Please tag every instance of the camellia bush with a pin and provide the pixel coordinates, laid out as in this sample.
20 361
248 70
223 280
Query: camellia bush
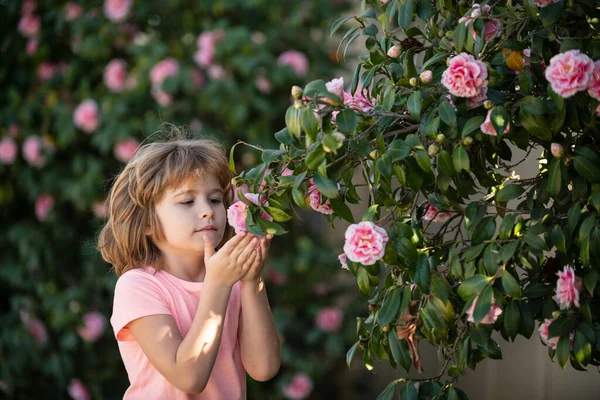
447 100
83 84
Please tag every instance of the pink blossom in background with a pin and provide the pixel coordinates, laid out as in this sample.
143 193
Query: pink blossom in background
125 149
594 86
13 130
162 98
475 13
207 42
35 327
32 151
321 288
597 112
197 78
295 59
116 10
236 213
115 75
46 71
433 214
275 277
77 390
93 327
330 319
29 25
28 7
315 200
99 209
43 205
86 116
491 316
287 172
543 330
335 86
487 126
569 72
365 242
263 84
8 151
3 386
394 51
491 29
73 11
465 75
360 101
567 288
544 3
216 72
162 70
343 261
31 46
426 76
557 150
299 388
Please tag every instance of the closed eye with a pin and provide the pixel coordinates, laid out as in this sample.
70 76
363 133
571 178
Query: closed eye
216 201
187 202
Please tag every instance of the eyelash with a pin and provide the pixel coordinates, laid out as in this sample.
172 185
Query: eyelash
190 202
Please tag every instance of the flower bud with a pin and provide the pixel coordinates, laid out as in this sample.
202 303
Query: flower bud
372 308
557 150
426 76
433 149
440 138
297 92
394 51
468 141
413 82
488 105
298 104
386 328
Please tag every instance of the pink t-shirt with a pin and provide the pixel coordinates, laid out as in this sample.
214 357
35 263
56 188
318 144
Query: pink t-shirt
142 292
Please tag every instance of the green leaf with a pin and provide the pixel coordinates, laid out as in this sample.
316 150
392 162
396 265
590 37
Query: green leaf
533 105
460 35
370 214
472 125
535 124
484 302
432 61
268 156
341 209
587 169
326 186
562 326
389 310
508 250
284 137
473 252
405 13
414 104
573 217
511 319
423 273
423 160
447 113
406 249
408 391
439 288
551 13
231 158
388 392
473 286
315 157
460 158
510 285
338 23
499 119
558 239
309 123
534 241
271 227
351 353
363 281
347 121
506 228
582 349
277 214
554 178
509 192
563 351
399 349
537 290
445 163
398 150
590 280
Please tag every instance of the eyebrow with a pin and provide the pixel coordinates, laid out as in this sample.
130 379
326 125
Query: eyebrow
215 190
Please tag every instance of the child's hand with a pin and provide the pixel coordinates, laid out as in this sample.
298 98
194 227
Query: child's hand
258 262
232 261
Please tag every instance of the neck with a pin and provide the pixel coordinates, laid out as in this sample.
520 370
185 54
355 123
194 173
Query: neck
187 267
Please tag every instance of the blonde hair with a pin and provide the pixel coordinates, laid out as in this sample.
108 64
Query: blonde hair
156 167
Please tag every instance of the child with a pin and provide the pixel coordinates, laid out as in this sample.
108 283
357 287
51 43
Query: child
187 318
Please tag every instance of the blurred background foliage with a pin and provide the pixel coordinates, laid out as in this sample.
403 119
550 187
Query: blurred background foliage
82 84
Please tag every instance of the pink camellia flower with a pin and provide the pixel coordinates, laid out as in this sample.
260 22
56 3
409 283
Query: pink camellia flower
394 51
162 70
73 11
343 261
299 388
77 390
32 151
8 151
263 84
31 46
35 327
28 7
594 86
115 75
433 214
86 116
597 112
197 79
116 10
487 126
46 71
567 288
287 172
13 130
296 60
126 149
315 200
475 13
426 76
216 72
359 102
543 330
473 102
237 212
99 209
207 42
491 29
569 72
29 25
365 242
329 319
93 327
43 205
321 288
490 317
557 150
544 3
275 277
465 76
335 86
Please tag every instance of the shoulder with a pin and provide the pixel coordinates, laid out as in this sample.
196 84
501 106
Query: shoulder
139 280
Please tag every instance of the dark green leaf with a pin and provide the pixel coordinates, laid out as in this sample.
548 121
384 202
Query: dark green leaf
445 163
408 391
405 13
399 349
414 104
590 280
562 326
563 351
277 214
341 209
326 186
511 319
388 392
509 192
472 286
439 288
363 281
554 178
472 125
537 290
337 24
389 310
484 302
510 285
447 113
460 159
347 121
351 353
315 157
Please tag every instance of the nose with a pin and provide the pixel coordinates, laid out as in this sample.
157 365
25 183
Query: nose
206 211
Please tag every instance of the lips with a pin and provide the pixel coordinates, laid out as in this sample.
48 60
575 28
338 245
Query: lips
208 228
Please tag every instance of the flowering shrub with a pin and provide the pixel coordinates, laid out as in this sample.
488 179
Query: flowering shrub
455 244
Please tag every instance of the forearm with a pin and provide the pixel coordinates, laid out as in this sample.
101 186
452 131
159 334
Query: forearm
260 345
198 350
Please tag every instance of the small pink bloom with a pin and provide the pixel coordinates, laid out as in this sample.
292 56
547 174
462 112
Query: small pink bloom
570 72
216 72
597 112
432 214
557 150
32 151
330 319
465 76
78 391
13 130
115 75
343 261
394 51
99 209
426 76
93 327
237 212
567 288
594 86
207 42
544 3
336 86
487 126
365 242
162 98
316 201
29 25
46 71
321 288
359 102
491 29
125 149
31 46
296 60
117 10
491 316
8 151
28 7
543 330
275 277
43 205
35 327
287 172
73 11
299 388
197 79
162 70
86 116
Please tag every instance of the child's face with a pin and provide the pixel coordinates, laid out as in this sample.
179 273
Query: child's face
189 212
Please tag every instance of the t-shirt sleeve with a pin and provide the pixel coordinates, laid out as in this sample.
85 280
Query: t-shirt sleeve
137 294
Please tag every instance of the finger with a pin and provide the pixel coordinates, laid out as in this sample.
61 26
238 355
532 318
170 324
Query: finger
209 248
247 251
241 245
231 243
250 262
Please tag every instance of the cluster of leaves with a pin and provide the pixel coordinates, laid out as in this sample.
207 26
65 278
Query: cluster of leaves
504 238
